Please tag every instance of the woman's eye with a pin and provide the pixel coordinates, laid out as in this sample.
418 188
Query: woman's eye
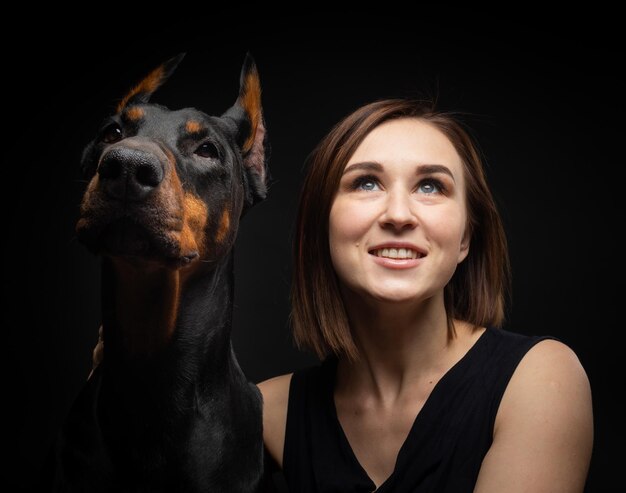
366 184
112 133
207 150
429 187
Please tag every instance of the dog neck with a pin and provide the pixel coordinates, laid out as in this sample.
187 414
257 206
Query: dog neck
152 314
167 354
140 307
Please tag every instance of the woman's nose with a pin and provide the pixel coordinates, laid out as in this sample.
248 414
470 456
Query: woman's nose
399 211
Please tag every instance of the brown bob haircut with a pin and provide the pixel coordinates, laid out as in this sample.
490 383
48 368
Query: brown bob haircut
478 289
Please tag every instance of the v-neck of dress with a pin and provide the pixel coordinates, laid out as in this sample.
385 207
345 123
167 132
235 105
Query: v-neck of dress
460 366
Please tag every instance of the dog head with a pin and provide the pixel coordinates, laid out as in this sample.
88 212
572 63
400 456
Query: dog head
170 186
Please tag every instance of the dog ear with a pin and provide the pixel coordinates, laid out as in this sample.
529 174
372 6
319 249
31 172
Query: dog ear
141 92
247 113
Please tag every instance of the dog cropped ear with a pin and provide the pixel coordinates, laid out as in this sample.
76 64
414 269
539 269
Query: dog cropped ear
247 114
141 92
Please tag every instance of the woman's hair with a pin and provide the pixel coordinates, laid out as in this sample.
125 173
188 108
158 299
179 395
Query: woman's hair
477 291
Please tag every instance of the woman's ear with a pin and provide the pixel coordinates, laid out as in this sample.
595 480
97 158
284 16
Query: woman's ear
465 245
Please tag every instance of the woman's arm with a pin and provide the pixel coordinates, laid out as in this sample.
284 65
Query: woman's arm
275 402
543 434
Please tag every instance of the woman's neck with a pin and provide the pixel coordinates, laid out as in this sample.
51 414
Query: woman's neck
400 345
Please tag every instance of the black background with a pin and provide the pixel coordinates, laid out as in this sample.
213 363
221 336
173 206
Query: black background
541 93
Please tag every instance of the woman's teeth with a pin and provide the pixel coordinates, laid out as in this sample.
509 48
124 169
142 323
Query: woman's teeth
400 253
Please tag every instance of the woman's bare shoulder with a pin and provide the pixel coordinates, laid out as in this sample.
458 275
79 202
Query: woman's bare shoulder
552 366
550 381
275 385
544 424
275 393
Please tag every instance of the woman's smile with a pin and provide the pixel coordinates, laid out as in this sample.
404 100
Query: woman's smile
397 255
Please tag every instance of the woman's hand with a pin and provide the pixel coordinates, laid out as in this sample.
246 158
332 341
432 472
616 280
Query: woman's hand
98 353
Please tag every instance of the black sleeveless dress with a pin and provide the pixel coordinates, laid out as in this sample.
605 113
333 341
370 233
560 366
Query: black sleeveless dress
447 442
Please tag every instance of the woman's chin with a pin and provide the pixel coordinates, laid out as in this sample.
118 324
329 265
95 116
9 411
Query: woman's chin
395 294
398 296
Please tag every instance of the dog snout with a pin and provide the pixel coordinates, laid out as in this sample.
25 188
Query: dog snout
130 174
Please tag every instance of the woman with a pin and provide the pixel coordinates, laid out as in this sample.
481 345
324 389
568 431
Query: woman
400 277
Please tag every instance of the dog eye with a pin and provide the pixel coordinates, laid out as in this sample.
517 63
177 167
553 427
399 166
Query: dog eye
112 133
208 150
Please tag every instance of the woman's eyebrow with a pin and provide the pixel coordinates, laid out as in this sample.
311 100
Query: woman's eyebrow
367 166
426 169
422 169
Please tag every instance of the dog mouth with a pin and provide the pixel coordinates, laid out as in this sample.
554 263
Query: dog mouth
123 237
131 239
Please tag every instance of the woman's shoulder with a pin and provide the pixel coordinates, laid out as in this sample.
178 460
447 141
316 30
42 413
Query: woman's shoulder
275 392
551 363
544 423
275 389
549 371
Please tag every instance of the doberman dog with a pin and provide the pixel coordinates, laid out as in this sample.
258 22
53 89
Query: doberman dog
168 409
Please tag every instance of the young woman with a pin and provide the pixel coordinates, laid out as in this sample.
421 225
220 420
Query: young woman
400 276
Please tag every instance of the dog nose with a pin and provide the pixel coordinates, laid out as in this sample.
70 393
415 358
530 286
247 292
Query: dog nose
130 174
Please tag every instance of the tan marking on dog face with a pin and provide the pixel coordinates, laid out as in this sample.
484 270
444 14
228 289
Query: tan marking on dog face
87 203
134 113
193 127
195 213
195 219
224 226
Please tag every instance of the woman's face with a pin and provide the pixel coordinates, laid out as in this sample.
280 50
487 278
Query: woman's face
398 221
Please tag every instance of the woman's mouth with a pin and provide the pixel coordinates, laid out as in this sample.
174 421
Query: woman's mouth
397 253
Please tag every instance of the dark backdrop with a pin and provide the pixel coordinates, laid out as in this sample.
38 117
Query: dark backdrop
540 93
